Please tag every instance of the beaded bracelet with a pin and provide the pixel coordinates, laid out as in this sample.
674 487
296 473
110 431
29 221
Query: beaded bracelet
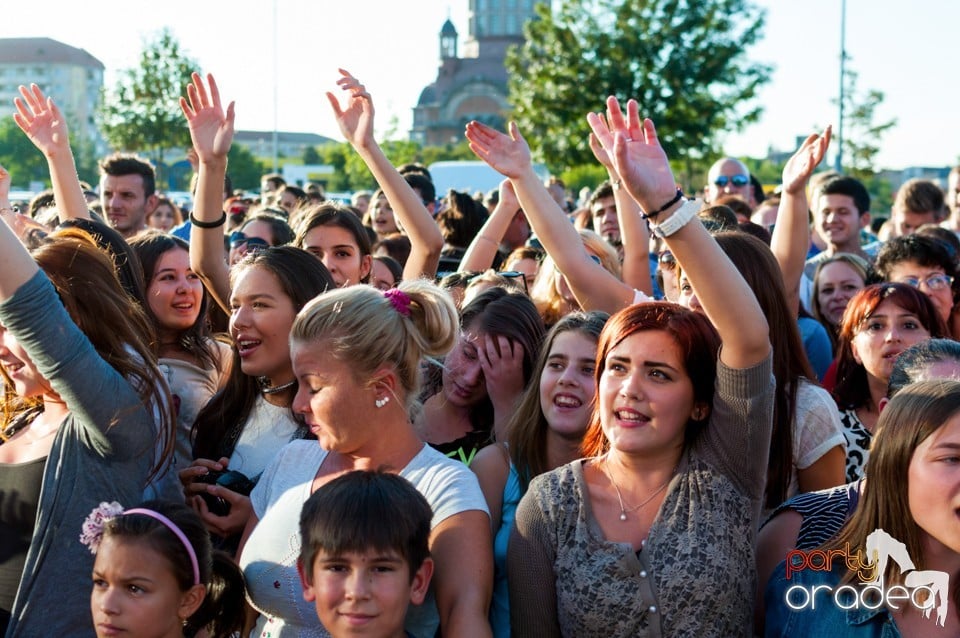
653 215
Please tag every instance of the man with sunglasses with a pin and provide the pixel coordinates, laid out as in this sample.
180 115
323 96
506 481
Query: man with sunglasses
729 176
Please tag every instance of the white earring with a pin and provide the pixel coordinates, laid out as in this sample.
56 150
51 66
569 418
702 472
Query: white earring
382 401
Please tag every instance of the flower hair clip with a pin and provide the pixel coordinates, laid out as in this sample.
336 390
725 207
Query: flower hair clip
93 525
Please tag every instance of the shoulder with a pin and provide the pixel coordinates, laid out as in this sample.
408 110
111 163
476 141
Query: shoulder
448 485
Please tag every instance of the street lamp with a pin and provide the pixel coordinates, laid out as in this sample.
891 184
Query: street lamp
843 59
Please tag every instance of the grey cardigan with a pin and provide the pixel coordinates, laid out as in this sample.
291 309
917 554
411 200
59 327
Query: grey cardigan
102 452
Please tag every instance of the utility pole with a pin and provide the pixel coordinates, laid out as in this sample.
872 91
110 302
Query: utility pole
843 81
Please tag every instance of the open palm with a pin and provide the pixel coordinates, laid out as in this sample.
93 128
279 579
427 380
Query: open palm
507 154
356 119
211 130
797 170
41 120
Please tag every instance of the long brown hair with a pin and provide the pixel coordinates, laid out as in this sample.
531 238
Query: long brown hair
86 280
912 415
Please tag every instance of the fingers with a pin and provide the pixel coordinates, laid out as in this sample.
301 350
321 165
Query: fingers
615 114
214 91
335 104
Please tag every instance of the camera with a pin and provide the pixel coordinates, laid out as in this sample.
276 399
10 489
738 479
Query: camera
230 479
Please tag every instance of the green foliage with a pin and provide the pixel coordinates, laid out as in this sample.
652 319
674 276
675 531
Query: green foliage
589 175
310 155
244 169
683 60
142 112
20 157
351 174
862 136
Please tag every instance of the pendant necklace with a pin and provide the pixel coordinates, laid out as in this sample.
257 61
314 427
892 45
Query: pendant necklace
624 510
266 388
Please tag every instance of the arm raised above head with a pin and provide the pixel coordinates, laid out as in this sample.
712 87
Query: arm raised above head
642 166
356 123
593 286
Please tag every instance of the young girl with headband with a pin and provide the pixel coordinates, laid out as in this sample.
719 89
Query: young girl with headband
156 574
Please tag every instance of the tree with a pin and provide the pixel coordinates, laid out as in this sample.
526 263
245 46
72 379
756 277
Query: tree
683 60
862 135
142 113
310 155
243 168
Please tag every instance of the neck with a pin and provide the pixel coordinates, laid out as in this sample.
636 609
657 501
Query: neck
645 473
54 408
393 449
561 450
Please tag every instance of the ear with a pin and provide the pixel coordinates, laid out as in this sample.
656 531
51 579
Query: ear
366 265
856 355
421 582
191 600
882 404
864 219
151 203
385 377
700 411
308 593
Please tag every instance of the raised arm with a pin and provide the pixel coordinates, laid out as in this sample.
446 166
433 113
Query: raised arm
634 235
45 126
791 234
591 284
483 249
727 300
212 133
16 264
356 124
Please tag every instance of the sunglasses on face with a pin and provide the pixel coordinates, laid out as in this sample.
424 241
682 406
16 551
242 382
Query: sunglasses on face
238 238
736 180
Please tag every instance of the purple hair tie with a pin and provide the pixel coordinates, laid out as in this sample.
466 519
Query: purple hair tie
177 532
399 300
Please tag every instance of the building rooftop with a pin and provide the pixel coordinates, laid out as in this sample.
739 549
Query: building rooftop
44 51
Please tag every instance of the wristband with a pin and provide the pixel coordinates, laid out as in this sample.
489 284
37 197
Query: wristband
217 224
653 215
678 220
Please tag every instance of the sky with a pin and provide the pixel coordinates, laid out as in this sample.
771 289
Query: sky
899 48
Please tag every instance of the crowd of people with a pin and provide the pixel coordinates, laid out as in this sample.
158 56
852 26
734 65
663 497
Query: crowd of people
456 414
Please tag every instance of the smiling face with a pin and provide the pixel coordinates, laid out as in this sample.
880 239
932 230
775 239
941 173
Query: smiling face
364 594
337 248
839 221
933 486
261 315
175 292
646 396
135 593
27 381
882 336
567 383
837 283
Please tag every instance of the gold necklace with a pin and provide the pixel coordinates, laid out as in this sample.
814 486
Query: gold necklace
624 510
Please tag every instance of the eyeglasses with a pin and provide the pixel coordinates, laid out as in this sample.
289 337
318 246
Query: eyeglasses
238 238
933 283
667 261
736 180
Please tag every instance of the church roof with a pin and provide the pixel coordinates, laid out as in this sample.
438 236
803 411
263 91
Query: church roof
448 28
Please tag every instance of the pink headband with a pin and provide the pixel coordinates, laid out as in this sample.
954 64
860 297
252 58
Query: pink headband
399 300
177 532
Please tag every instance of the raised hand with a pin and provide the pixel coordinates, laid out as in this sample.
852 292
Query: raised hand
210 128
508 155
41 120
637 156
508 197
799 168
356 119
5 181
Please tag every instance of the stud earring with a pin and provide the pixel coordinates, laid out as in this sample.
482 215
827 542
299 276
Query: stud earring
382 401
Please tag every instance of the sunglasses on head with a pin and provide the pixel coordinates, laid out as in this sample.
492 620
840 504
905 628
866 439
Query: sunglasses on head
736 180
667 261
238 238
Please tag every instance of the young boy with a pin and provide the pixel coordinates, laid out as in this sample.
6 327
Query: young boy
365 553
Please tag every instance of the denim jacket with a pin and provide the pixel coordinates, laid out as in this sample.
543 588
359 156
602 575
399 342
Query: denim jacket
827 620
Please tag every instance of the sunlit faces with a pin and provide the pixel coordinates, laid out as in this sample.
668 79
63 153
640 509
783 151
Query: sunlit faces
837 283
135 592
125 203
27 381
162 218
380 276
726 177
261 315
567 384
883 336
933 487
337 248
256 228
913 273
646 396
839 221
175 292
463 381
335 405
383 219
604 213
364 594
288 201
906 222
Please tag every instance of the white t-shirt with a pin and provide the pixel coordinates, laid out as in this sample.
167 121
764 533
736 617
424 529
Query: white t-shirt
267 429
269 559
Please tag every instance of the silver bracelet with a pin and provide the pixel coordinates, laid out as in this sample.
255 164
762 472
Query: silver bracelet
680 218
